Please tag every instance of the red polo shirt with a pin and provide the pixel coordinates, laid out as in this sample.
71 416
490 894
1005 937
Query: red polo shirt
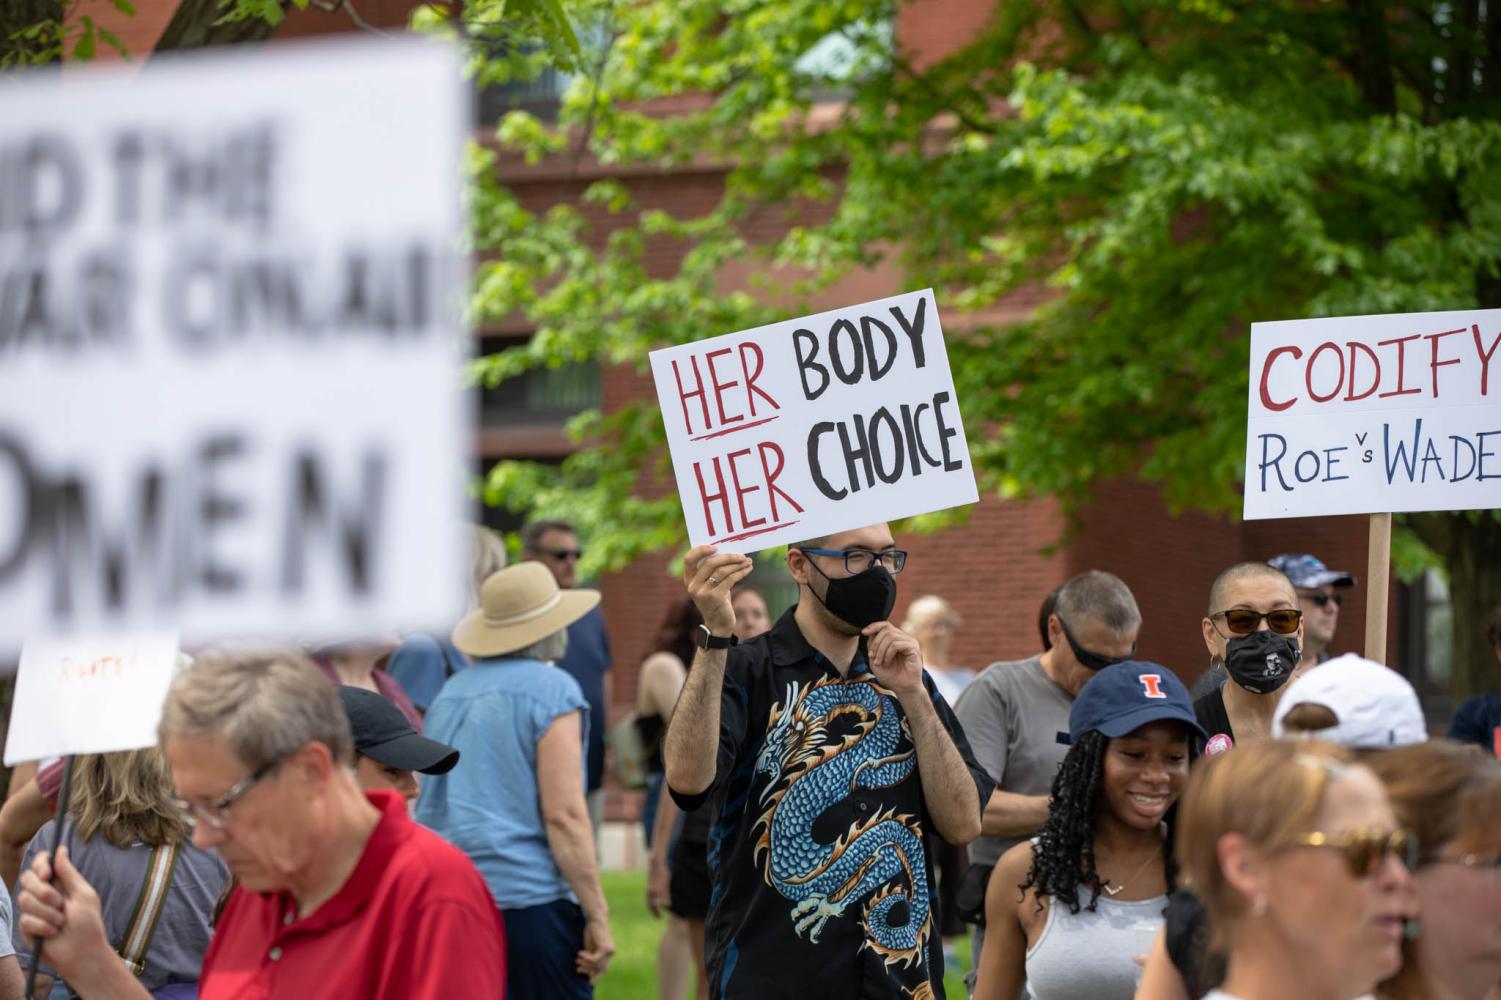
414 921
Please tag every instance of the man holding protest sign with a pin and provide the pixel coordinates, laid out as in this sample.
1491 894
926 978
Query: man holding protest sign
340 892
828 756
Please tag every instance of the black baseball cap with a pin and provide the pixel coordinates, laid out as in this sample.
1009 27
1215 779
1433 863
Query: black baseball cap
384 735
1123 697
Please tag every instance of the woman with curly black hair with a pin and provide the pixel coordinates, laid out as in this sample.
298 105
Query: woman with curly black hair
1069 914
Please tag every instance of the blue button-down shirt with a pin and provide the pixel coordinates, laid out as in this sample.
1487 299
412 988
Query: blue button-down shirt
488 805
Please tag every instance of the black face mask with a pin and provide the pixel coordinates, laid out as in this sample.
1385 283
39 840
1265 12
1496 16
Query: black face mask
862 599
1262 661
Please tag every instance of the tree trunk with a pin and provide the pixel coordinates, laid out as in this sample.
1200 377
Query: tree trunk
193 26
1469 543
18 14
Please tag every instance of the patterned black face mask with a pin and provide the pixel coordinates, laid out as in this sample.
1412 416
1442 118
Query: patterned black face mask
1262 661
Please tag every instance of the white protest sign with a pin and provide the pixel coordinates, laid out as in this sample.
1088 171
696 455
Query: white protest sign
89 695
814 425
1372 414
230 352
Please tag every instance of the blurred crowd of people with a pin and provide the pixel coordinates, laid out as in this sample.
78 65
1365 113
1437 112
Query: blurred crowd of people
828 799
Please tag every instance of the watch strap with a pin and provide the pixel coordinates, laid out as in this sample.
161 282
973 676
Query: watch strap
708 640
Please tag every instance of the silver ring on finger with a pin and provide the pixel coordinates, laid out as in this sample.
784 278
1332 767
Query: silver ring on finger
713 581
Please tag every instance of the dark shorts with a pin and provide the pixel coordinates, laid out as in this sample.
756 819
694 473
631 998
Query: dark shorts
689 888
542 946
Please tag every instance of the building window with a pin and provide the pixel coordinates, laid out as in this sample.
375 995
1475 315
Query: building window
542 95
542 395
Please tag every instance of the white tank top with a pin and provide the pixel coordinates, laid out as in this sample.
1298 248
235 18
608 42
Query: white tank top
1093 955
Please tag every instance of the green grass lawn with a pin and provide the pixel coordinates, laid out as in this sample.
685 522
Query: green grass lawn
633 970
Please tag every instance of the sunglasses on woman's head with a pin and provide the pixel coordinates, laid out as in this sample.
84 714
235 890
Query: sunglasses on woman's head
1365 850
1244 621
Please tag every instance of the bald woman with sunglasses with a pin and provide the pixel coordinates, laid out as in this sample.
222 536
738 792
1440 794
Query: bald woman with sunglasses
1255 629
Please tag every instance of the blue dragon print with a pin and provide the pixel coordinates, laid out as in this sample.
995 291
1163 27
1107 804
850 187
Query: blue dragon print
810 767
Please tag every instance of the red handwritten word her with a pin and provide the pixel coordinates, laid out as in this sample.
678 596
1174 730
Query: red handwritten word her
720 397
1355 368
751 362
762 473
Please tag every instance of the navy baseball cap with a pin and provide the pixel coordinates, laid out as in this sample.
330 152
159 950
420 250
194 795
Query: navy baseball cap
1126 696
1308 572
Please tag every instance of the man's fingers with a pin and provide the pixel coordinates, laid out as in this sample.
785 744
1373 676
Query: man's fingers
716 569
34 887
41 866
739 573
34 925
693 561
70 879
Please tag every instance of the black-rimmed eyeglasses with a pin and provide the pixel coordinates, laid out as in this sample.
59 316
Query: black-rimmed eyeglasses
216 814
860 560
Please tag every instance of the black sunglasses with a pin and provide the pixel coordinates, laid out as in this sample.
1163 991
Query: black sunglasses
1092 661
1322 600
562 554
1244 621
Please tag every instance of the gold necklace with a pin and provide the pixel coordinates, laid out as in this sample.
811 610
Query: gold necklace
1140 868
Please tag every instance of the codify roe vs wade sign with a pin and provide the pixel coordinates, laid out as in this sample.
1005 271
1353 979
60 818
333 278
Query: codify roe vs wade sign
1370 414
229 349
814 425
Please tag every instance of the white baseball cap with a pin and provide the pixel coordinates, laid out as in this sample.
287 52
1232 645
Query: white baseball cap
1375 706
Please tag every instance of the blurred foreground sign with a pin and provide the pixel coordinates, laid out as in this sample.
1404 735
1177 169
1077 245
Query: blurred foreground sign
816 425
89 695
1375 414
229 345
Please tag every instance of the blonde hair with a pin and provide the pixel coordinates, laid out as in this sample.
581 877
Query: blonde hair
1267 792
487 556
126 798
929 608
266 705
1442 791
1445 793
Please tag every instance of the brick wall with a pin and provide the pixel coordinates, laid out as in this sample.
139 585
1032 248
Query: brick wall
994 569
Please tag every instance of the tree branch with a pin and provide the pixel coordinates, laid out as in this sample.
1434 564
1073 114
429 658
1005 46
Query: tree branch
196 24
347 6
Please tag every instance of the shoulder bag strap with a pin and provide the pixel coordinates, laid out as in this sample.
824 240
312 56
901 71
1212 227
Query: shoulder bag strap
148 909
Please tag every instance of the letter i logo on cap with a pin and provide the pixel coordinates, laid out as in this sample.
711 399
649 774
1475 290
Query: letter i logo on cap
1153 685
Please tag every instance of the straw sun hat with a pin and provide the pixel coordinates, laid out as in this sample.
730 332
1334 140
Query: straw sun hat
518 606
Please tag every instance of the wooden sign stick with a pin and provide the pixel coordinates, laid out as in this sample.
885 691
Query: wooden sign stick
1377 586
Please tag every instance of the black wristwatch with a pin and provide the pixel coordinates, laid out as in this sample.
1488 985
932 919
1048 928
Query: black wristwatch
708 640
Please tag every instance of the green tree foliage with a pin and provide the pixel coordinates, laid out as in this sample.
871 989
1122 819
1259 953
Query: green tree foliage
1168 170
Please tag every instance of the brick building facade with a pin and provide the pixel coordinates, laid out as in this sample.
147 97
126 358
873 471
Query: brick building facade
994 570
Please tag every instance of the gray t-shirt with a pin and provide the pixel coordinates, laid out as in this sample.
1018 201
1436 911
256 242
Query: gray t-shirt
117 874
1012 714
7 926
